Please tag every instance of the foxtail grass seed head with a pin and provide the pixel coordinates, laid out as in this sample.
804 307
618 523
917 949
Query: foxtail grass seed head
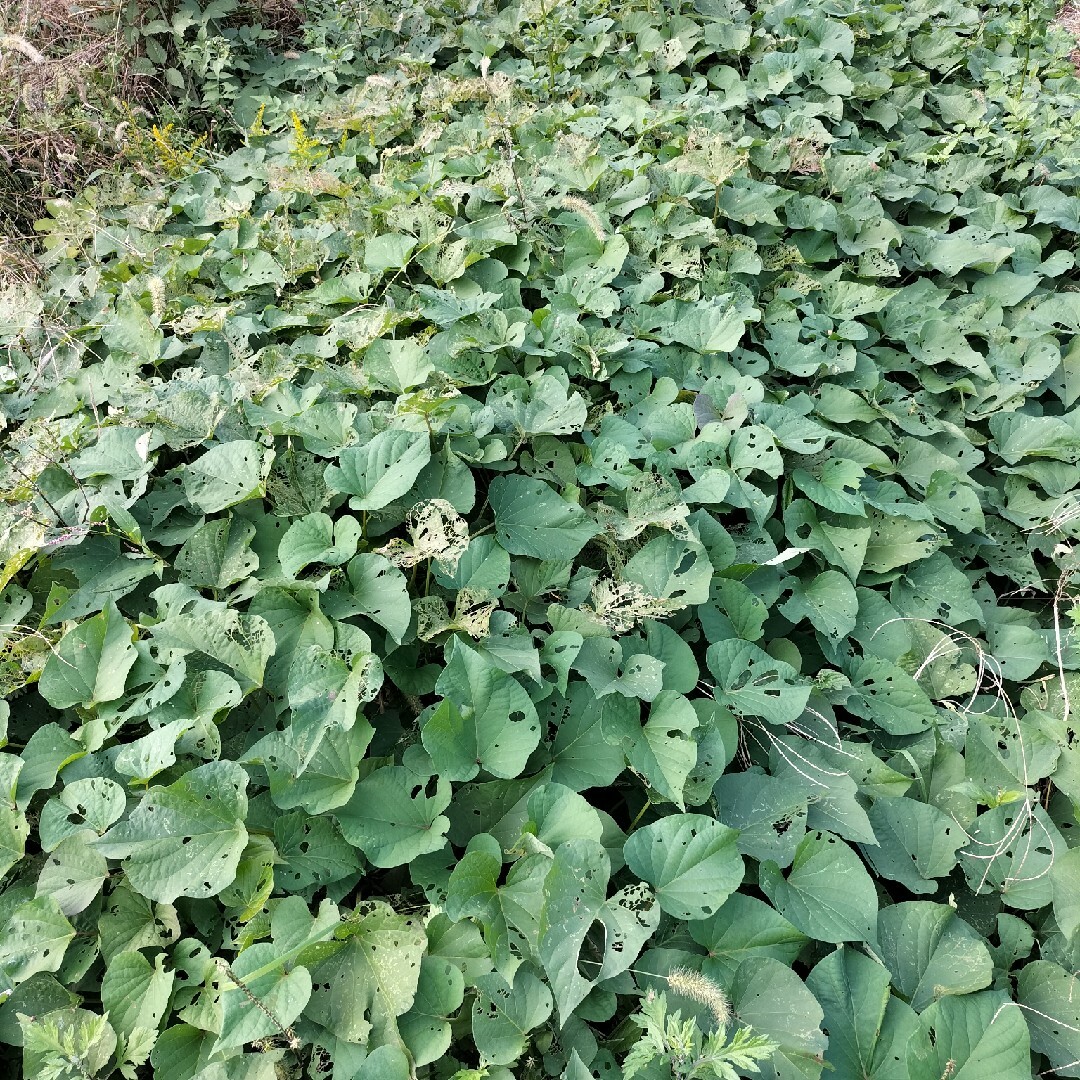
700 988
19 44
580 206
156 287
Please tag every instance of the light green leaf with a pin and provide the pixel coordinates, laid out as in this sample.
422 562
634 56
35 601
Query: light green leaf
1018 435
715 325
1052 1011
772 999
504 1014
983 1035
1065 882
531 519
842 545
185 839
317 538
90 665
119 453
834 485
690 860
390 251
425 1028
136 992
461 944
111 576
955 503
13 824
574 892
180 1052
473 890
46 753
130 331
827 894
543 405
227 474
34 939
399 365
486 719
745 610
73 874
681 672
868 1028
130 921
483 565
381 470
558 815
934 588
745 928
931 952
249 269
326 688
40 994
381 594
385 1062
144 758
296 622
1011 849
664 753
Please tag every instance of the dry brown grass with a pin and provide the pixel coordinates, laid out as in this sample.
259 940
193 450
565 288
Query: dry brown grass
56 63
68 83
1068 18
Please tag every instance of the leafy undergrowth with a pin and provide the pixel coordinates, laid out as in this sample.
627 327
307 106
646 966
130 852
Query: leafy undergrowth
80 86
555 557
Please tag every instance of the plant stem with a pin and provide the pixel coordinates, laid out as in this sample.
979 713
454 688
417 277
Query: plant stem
550 48
638 816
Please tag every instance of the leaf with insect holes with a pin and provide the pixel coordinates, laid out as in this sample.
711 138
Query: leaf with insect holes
368 976
575 907
185 839
504 1013
827 893
227 474
254 1007
395 815
381 470
91 663
973 1036
750 682
486 719
505 529
690 860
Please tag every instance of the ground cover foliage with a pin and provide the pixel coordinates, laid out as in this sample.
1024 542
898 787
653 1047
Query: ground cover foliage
551 555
